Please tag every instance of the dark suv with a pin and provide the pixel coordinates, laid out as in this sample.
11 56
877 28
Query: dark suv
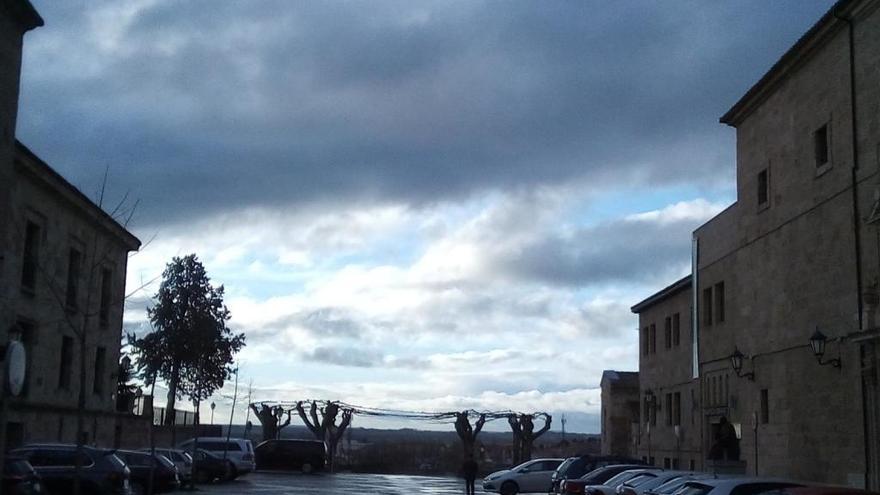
101 472
577 466
299 455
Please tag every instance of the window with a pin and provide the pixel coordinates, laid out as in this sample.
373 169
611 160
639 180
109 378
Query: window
707 306
667 463
719 302
668 406
693 465
651 460
31 257
763 187
646 347
820 145
765 406
676 409
675 463
100 366
676 329
74 261
66 368
647 408
667 332
106 289
653 338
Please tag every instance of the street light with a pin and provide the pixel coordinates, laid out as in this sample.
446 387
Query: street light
817 344
212 412
736 362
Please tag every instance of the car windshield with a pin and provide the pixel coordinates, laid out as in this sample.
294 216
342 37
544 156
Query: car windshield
560 470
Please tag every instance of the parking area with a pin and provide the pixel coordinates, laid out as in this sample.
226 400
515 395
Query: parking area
287 483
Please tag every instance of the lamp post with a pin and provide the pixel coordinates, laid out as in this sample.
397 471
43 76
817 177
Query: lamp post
736 362
817 344
212 412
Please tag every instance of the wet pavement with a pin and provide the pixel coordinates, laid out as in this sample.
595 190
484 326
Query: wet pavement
288 483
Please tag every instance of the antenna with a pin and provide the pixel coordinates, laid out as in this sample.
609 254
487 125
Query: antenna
563 427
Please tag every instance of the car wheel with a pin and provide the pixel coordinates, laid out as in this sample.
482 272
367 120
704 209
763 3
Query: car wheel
201 476
509 488
229 474
307 468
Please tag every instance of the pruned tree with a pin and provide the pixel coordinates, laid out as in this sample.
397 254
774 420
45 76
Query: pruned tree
270 418
528 435
325 428
466 433
517 438
191 349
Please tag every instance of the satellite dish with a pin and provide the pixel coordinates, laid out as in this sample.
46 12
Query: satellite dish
16 367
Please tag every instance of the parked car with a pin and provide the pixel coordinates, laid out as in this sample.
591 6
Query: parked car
610 486
182 461
208 467
239 450
671 486
734 486
582 485
300 455
820 490
19 477
639 484
530 476
141 464
101 472
577 466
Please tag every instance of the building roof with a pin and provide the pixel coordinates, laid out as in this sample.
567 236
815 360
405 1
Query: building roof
54 179
620 378
23 12
657 297
827 25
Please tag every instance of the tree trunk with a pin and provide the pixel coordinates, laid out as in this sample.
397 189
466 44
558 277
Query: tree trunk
80 413
171 399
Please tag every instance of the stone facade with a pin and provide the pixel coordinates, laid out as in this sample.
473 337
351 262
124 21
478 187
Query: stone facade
669 429
797 252
62 280
620 412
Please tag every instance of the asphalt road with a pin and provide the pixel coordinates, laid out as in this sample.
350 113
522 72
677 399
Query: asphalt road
289 484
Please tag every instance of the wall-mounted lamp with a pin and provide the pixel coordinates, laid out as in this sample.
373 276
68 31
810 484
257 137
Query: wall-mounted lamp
817 343
736 361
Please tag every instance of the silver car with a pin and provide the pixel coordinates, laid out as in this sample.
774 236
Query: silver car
530 476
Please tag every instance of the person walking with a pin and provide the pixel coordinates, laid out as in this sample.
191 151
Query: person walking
469 470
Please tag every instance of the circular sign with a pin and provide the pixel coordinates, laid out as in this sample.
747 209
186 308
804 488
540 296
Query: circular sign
16 366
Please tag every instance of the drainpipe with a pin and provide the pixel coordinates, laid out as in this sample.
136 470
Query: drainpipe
856 223
855 166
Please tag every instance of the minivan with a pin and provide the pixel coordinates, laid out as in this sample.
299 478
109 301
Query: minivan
238 450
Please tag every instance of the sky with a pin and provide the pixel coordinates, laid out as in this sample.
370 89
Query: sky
412 205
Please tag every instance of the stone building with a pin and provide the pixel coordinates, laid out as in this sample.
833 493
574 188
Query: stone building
669 429
795 258
620 412
62 278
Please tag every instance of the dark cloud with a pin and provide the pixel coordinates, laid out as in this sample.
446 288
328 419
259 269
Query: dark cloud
203 106
631 250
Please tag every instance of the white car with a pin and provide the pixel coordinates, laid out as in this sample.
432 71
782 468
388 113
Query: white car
528 477
237 450
726 486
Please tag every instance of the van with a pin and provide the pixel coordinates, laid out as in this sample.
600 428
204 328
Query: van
238 450
299 455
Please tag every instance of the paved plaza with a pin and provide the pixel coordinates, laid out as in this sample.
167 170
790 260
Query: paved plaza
288 483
